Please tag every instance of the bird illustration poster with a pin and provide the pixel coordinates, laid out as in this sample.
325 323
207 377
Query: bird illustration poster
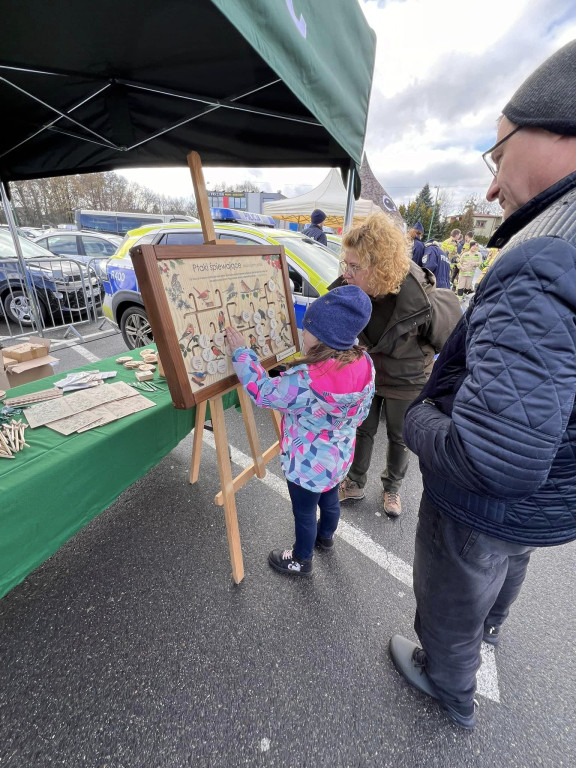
206 294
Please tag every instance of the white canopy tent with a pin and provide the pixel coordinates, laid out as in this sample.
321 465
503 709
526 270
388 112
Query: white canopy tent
329 196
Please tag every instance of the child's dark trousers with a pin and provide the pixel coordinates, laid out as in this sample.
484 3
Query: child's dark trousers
304 505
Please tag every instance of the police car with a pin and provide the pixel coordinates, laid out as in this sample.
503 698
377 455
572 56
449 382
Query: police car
311 266
334 243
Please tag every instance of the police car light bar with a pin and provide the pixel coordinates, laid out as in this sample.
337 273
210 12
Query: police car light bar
241 217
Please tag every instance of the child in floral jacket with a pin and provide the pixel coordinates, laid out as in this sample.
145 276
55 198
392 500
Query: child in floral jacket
323 397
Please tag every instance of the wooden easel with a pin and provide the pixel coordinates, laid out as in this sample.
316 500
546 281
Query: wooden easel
228 483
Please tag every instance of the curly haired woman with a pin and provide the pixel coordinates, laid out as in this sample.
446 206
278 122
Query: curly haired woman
408 326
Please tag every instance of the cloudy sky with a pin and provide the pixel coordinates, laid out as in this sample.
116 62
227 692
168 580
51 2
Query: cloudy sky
444 69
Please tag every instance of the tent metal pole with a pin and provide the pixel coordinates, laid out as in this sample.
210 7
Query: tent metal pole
349 213
59 112
53 122
229 103
35 309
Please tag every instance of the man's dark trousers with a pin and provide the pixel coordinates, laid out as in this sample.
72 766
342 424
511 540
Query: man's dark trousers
462 579
398 455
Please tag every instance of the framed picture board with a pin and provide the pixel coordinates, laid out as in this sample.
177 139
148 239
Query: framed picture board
193 292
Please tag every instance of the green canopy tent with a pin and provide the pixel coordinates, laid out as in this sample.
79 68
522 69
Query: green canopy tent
89 87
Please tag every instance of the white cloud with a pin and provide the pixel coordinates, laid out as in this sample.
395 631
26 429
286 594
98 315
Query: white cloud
443 72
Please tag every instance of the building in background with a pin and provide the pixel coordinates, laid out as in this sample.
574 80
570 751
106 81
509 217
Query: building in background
242 201
485 224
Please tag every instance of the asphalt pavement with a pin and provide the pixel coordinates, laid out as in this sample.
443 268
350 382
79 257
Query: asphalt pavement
132 648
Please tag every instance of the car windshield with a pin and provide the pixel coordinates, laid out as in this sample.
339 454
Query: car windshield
319 259
29 249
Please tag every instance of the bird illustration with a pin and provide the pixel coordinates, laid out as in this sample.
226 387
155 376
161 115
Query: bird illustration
189 331
217 352
198 378
221 321
283 319
245 287
231 292
253 343
238 320
201 295
176 285
189 336
256 285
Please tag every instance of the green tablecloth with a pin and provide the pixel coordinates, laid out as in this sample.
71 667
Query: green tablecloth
54 488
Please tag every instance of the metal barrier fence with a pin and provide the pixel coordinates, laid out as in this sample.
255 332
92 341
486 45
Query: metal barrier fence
65 293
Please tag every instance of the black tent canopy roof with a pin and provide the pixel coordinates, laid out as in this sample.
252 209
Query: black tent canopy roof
90 87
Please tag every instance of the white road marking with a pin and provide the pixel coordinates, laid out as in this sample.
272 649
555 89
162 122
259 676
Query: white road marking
88 355
487 675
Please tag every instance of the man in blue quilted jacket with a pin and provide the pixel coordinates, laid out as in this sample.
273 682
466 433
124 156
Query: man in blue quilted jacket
495 426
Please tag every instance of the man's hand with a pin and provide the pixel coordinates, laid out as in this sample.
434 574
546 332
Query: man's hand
234 339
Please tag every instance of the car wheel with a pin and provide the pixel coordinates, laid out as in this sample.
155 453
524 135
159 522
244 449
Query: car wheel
17 308
135 328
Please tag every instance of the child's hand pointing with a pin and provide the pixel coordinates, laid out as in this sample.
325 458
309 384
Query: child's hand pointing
234 339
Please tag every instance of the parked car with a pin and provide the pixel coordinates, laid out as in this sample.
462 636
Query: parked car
63 287
88 247
24 231
311 268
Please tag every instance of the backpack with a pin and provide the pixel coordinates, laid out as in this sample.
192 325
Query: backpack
445 313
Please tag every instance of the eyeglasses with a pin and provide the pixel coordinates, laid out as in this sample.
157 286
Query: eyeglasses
487 156
352 269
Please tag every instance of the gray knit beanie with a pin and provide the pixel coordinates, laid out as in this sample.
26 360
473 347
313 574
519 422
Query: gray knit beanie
547 99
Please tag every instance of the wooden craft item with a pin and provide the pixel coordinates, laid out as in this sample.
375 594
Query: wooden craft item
132 365
147 351
144 375
76 402
12 438
122 360
102 414
146 367
38 350
2 394
192 293
34 397
22 353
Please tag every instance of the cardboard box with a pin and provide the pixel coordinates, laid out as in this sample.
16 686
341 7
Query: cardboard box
14 372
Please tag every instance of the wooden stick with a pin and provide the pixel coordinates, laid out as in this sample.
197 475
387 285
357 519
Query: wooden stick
4 443
225 472
202 202
277 421
197 441
252 434
249 472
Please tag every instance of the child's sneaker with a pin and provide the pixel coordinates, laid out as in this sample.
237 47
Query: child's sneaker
284 561
321 543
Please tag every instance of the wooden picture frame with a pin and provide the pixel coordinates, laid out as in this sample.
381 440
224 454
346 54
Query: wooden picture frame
189 304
